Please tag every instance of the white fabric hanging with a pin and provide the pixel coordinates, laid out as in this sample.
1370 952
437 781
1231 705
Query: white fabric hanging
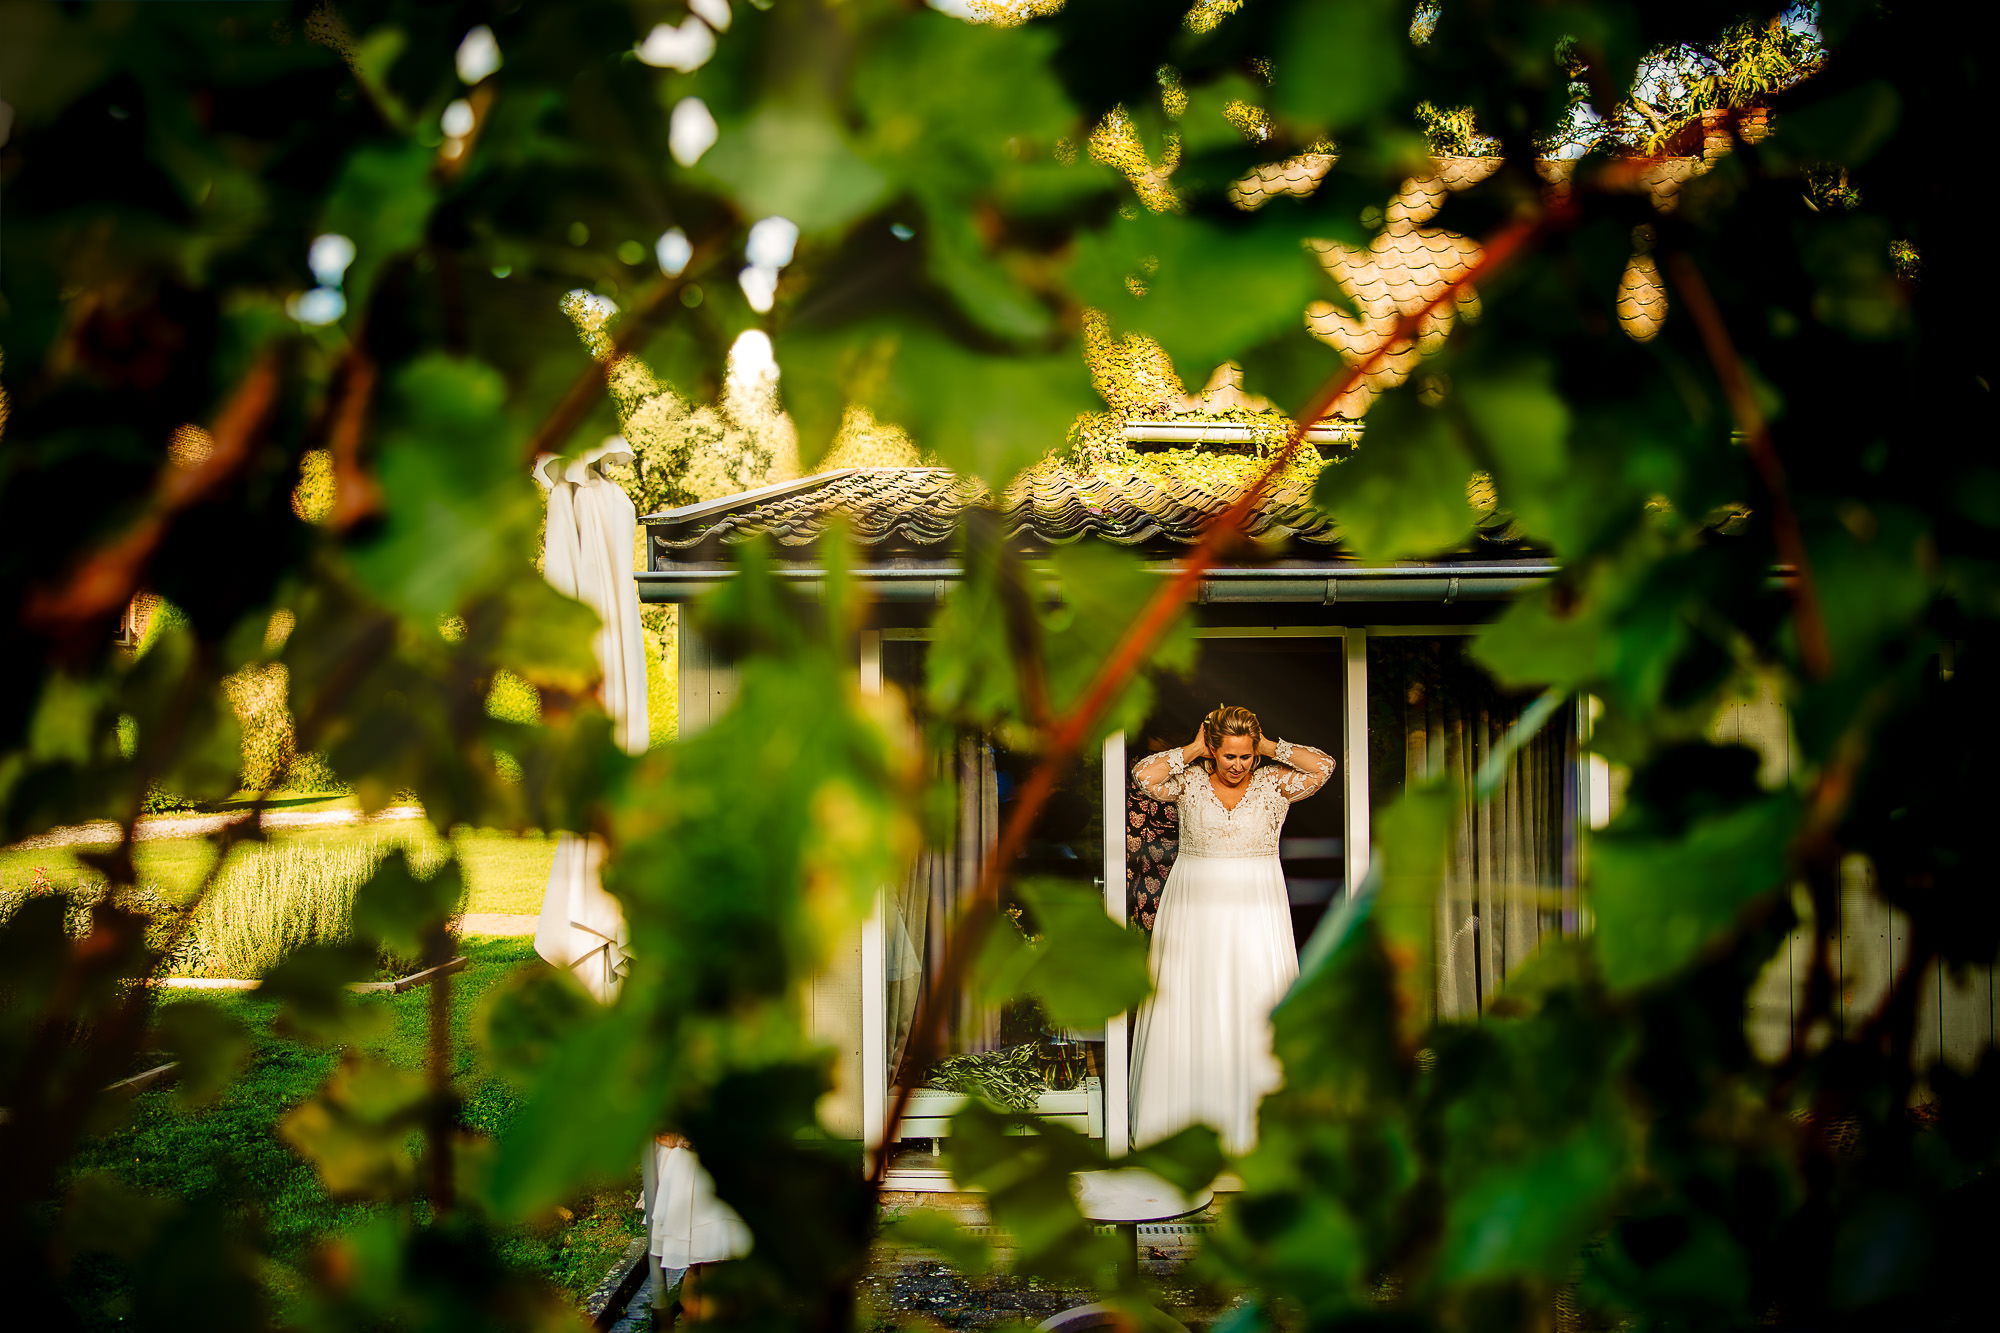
592 525
588 555
685 1223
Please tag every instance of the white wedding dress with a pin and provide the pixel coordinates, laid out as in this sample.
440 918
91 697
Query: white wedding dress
1223 954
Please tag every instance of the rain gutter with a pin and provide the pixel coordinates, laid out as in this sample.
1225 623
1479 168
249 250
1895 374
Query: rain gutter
1307 585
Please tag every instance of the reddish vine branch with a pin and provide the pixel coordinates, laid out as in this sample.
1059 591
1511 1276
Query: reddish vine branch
1814 649
106 578
1068 731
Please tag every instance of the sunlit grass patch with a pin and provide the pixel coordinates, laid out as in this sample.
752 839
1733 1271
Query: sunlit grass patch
229 1151
272 900
504 872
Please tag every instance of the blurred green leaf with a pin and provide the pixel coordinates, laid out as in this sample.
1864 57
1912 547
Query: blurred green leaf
1531 1216
987 98
1336 66
986 293
523 1023
585 1115
1402 492
405 913
981 415
1415 837
1847 127
975 670
1206 292
357 1131
1660 902
1189 1159
1347 983
1685 1257
546 637
1082 965
382 202
942 1234
1025 1166
1519 417
312 983
1104 590
188 735
795 160
1551 636
458 499
1207 123
210 1045
371 60
1290 367
106 1215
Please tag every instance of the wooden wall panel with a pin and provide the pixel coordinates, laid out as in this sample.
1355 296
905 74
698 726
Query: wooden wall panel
1965 1016
834 1019
707 684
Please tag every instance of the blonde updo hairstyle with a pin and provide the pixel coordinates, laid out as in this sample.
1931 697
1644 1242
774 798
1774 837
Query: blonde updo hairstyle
1229 720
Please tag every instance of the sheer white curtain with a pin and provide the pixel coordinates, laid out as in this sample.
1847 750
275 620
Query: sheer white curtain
1433 712
929 902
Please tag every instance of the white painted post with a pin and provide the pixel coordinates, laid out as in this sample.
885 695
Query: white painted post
874 970
1117 1055
1354 757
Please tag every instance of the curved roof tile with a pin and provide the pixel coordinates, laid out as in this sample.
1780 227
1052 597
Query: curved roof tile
917 512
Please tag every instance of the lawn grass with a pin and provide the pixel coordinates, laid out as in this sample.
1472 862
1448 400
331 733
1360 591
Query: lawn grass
229 1150
505 872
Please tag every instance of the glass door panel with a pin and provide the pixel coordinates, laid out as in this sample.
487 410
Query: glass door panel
1008 1053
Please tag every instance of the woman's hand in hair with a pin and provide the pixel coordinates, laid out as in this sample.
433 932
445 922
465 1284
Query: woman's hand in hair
1267 747
1198 747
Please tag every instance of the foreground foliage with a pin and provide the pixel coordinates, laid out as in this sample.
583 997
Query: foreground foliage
961 193
226 1160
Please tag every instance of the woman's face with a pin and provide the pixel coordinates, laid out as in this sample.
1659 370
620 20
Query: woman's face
1236 757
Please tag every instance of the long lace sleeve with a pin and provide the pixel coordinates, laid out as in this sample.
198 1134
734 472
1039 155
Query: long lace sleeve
1305 770
1159 775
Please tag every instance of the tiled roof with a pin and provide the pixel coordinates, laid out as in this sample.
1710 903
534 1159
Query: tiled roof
1299 175
1642 298
1407 264
914 513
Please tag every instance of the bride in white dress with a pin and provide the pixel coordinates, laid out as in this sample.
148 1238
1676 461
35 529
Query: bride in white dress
1223 954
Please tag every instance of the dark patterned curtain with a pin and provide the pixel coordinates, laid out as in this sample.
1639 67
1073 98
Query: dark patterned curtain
1152 837
1432 712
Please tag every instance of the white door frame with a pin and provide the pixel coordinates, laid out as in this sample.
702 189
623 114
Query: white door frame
1117 1074
1117 1045
874 969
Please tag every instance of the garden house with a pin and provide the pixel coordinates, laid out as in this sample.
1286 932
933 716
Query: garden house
1364 660
1367 661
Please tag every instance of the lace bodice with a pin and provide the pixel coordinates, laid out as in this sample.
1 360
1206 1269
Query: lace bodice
1208 828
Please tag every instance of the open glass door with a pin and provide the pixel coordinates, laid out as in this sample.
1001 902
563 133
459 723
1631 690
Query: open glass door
1010 1054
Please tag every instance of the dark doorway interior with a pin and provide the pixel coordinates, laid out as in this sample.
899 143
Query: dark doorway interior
1294 686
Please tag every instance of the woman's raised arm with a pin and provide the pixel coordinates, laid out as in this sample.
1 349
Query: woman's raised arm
1306 769
1160 775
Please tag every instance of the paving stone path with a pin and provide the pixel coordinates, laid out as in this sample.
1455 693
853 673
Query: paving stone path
903 1282
158 827
497 923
